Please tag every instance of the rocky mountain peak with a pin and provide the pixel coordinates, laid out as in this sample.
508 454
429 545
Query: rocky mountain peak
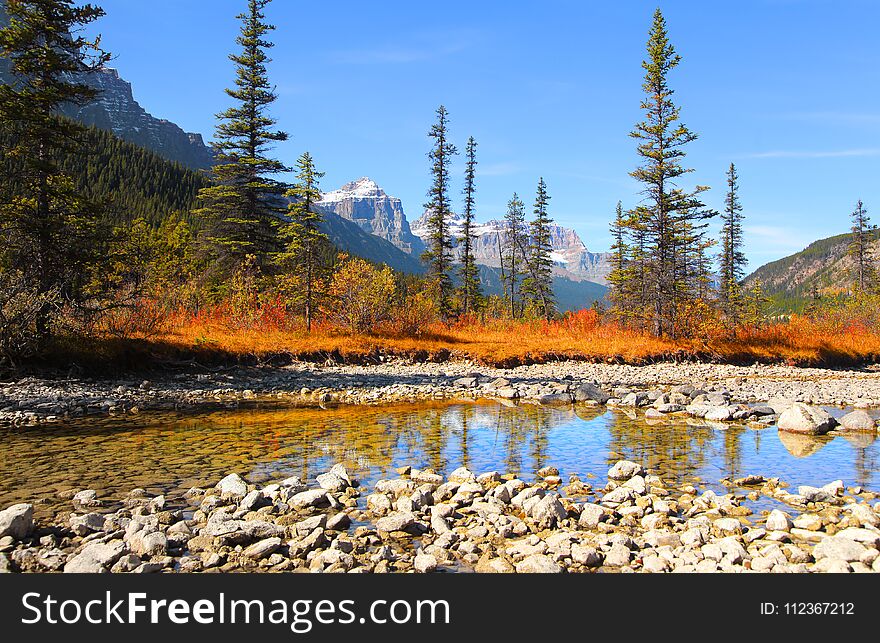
363 188
365 203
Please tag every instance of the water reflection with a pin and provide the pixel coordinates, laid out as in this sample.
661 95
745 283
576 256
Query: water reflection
168 454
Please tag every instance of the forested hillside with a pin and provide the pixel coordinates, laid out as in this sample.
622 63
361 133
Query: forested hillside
822 269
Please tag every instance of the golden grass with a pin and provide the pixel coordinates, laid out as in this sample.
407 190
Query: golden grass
579 336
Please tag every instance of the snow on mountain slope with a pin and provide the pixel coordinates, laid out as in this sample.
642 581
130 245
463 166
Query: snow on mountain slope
366 204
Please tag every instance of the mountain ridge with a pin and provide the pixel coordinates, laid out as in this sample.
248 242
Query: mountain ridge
115 110
824 266
365 203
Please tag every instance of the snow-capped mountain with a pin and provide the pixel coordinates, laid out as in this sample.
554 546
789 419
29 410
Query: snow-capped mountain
569 253
366 204
378 213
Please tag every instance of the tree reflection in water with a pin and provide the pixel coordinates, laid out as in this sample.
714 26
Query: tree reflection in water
674 448
169 454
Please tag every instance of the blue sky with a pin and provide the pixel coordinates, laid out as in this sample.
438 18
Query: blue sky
786 89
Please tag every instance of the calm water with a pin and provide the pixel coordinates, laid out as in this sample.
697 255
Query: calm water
166 454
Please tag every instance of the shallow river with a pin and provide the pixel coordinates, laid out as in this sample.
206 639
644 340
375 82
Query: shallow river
170 454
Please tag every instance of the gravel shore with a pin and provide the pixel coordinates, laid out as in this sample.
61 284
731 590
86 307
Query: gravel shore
33 401
423 522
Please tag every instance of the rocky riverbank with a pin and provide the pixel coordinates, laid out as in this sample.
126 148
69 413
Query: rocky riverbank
422 522
663 387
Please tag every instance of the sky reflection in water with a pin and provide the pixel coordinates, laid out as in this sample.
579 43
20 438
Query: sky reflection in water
170 454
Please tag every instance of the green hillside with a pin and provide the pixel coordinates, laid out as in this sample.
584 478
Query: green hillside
131 181
823 267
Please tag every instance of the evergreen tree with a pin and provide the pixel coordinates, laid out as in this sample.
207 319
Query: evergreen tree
732 259
863 234
513 254
755 304
469 272
537 287
301 236
703 266
670 211
622 278
438 255
50 229
244 207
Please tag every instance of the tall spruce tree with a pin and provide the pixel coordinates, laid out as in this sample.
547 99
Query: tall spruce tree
438 255
863 234
301 234
244 207
670 211
469 273
513 254
537 287
732 259
49 227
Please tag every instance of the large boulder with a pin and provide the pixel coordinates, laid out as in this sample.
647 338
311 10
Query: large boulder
17 521
839 548
588 392
857 420
802 418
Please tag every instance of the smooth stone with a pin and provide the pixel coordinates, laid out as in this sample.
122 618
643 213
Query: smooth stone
233 485
839 548
624 470
802 418
857 420
17 521
95 558
262 548
538 564
425 563
396 522
778 521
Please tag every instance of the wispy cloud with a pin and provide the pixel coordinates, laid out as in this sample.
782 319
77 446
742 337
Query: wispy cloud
428 47
780 238
815 154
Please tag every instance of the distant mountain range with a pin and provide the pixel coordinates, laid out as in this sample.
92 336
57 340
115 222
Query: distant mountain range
115 110
359 217
365 203
580 276
824 266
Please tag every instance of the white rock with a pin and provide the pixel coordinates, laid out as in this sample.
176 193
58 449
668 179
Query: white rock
778 521
310 498
425 563
17 521
332 482
839 548
538 564
232 485
548 511
624 470
586 555
857 420
802 418
262 549
395 522
95 558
